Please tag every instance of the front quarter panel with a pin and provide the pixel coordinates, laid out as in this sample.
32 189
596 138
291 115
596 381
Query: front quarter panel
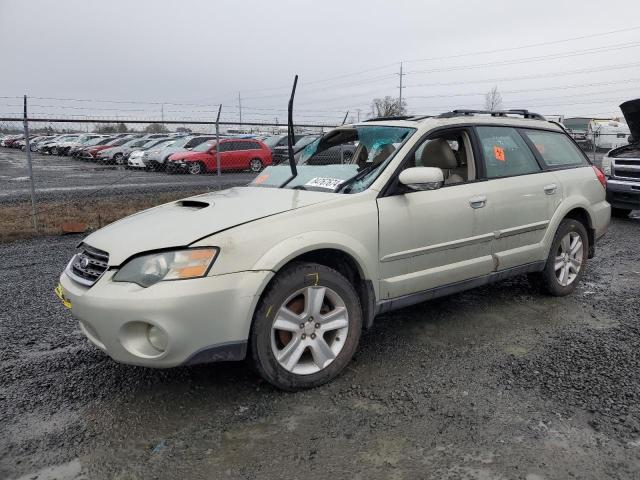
348 223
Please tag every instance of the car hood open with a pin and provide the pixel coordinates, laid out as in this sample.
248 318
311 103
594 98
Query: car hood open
180 223
631 111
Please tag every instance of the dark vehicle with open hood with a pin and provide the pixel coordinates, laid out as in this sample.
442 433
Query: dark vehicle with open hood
622 166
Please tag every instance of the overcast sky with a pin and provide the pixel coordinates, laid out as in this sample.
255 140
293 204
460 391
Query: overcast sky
346 52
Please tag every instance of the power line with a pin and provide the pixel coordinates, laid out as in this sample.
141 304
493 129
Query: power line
531 45
557 87
539 58
529 77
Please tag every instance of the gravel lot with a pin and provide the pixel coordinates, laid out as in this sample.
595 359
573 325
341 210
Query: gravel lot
499 382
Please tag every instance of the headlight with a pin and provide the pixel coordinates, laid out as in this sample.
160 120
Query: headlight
148 270
606 165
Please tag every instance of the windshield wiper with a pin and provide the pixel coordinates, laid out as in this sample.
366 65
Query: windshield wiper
290 136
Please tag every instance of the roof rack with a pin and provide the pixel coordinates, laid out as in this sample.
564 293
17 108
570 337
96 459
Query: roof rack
390 117
493 113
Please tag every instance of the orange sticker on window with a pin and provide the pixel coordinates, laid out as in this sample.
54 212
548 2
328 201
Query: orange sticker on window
261 179
498 152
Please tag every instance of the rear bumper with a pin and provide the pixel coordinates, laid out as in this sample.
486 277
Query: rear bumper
623 194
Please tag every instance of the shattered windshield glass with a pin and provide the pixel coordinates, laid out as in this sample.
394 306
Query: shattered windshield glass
347 159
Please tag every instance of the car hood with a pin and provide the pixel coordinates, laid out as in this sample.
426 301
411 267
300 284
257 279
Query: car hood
181 223
631 111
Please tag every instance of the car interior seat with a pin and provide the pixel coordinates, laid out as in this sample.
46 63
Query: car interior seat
438 153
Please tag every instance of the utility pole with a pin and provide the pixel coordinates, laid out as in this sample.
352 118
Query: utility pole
240 106
162 112
358 110
400 97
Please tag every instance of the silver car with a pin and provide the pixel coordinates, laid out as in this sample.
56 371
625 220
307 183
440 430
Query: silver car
290 269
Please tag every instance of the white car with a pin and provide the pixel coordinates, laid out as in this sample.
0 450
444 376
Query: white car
135 159
288 270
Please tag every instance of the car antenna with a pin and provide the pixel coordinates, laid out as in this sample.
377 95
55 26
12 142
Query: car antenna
290 135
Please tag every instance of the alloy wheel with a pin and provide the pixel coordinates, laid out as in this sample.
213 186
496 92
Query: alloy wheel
195 168
568 260
255 165
309 330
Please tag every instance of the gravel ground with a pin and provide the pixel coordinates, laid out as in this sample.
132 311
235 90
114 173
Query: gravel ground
498 382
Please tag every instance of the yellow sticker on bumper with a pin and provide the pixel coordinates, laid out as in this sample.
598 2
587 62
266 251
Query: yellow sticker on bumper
60 293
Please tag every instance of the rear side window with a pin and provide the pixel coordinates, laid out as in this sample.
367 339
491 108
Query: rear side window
556 149
505 152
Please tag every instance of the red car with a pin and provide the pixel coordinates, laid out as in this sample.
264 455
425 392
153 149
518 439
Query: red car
235 154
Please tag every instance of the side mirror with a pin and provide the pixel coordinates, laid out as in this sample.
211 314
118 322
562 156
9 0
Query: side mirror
422 178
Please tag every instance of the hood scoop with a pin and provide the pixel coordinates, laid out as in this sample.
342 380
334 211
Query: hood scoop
192 204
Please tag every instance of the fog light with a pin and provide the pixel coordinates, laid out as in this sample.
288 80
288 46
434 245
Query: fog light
157 338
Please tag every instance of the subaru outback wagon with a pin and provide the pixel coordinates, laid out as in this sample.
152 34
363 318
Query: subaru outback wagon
288 270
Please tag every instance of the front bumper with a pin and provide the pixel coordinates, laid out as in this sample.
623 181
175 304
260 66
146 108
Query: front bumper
135 162
623 194
205 319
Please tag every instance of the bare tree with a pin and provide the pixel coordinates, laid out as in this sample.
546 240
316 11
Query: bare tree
493 100
388 107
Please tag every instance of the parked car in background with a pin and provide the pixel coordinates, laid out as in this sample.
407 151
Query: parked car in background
577 127
156 158
281 152
135 159
65 147
622 166
92 152
281 140
21 144
235 154
51 146
10 140
119 154
78 150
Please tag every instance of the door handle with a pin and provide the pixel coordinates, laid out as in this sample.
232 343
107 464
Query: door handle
550 189
478 202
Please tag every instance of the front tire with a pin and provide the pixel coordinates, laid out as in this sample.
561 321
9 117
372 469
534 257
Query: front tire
196 168
567 260
119 159
306 327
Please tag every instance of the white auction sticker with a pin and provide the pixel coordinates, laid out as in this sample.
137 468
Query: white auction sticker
324 182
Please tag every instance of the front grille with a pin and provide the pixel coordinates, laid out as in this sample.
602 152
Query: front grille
87 266
626 168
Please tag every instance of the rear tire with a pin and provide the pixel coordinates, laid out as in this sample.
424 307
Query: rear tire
320 319
620 212
255 165
567 260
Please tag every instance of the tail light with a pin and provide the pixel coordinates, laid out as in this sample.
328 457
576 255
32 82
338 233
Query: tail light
601 177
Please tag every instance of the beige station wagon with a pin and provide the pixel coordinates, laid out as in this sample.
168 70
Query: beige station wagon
288 270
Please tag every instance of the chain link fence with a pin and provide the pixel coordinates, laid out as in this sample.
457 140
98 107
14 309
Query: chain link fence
77 174
80 173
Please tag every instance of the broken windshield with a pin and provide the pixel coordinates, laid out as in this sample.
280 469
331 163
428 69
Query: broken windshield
347 159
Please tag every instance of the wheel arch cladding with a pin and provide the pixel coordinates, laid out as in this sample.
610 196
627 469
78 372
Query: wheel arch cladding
582 215
344 263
